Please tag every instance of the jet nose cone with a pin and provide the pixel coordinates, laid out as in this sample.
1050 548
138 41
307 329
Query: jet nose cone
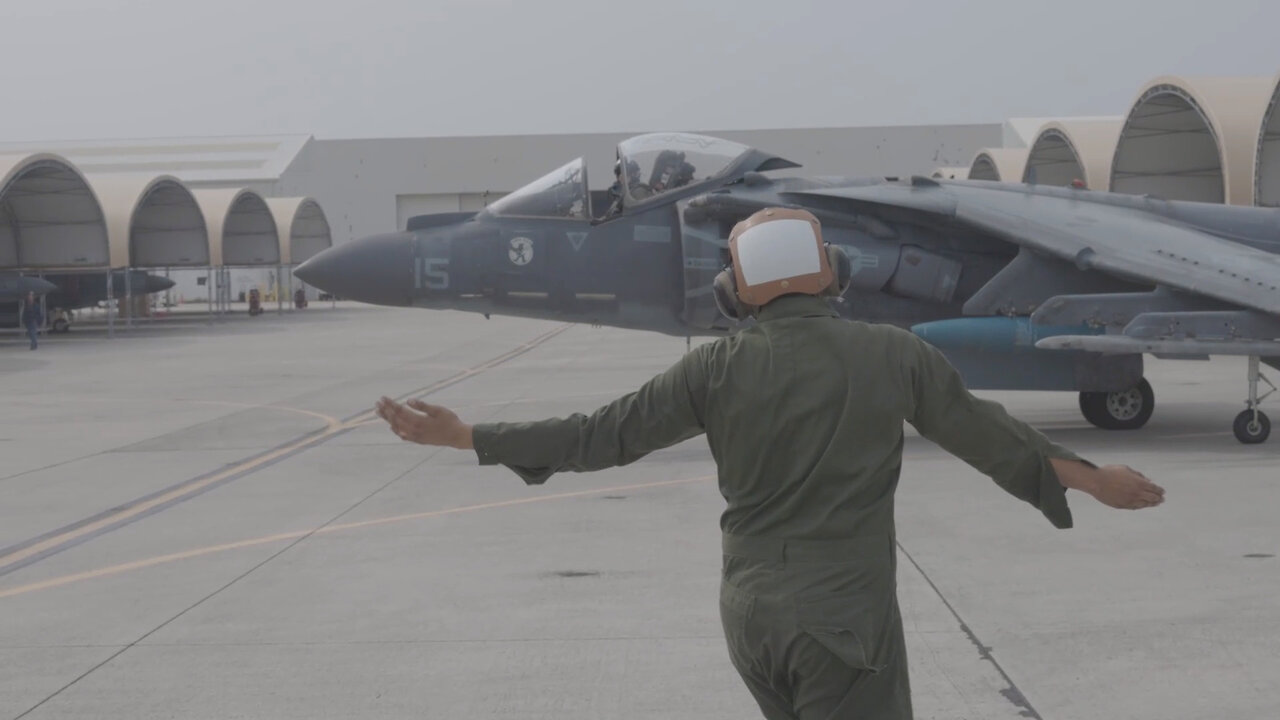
377 269
156 284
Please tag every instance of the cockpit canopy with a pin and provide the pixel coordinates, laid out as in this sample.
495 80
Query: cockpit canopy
658 163
648 166
561 193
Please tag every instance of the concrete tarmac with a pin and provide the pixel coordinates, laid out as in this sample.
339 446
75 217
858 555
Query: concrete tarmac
204 521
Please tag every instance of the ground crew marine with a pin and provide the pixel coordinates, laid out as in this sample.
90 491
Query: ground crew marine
803 413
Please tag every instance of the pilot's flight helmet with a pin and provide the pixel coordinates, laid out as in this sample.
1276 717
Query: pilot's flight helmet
633 169
776 252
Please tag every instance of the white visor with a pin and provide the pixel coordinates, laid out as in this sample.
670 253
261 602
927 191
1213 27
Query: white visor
778 249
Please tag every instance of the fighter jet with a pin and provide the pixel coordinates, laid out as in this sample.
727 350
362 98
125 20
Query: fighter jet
82 290
14 287
1022 287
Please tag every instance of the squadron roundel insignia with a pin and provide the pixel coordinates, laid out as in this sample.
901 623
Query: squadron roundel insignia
520 251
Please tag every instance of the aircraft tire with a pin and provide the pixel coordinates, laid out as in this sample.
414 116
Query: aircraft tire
61 326
1249 432
1123 410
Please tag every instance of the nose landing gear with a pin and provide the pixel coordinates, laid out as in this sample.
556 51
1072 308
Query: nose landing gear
1252 426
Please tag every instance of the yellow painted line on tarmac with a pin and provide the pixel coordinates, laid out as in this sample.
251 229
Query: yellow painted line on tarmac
45 400
268 539
185 490
192 488
329 420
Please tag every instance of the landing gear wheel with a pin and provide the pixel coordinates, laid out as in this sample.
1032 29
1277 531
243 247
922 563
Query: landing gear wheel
1122 410
1251 426
60 325
1250 430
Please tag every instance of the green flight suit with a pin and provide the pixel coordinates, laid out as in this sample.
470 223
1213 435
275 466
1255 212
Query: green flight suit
804 416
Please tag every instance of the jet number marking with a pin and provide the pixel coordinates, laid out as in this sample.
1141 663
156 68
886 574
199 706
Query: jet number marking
431 273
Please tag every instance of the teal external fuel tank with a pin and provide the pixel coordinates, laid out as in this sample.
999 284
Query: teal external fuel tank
999 353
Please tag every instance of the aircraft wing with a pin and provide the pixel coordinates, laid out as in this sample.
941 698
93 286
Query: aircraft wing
1120 241
1213 296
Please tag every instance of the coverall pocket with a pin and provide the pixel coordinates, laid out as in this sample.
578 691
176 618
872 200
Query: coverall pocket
847 630
735 606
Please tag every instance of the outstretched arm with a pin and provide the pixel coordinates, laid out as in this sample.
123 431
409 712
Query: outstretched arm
1019 458
666 410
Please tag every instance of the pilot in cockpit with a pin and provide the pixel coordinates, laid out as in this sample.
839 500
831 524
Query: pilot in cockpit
670 171
639 190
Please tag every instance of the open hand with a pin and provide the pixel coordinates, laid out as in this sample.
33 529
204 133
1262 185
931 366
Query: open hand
1120 486
416 421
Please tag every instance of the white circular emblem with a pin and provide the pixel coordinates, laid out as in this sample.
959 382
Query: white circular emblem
521 250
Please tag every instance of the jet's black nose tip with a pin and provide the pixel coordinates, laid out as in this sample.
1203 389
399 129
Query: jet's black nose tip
310 271
377 270
156 284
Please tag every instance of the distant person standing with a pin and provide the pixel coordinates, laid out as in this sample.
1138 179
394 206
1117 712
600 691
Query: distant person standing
32 317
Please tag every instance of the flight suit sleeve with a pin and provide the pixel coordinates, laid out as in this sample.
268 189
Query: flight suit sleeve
983 434
664 411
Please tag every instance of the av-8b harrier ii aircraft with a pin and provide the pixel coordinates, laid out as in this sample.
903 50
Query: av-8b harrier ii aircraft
1022 287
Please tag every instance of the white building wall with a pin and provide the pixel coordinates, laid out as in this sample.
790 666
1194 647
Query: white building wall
188 287
475 202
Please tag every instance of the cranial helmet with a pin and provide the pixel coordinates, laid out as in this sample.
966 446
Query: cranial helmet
776 252
633 170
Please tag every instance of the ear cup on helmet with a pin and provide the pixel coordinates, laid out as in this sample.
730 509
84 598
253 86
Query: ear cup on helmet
841 268
725 290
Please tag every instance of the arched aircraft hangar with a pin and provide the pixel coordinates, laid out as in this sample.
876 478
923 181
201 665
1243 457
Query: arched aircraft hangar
242 230
1266 179
303 230
242 233
152 223
50 217
1192 139
1065 151
302 226
999 164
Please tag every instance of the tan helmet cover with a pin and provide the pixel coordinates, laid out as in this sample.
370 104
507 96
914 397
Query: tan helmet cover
778 251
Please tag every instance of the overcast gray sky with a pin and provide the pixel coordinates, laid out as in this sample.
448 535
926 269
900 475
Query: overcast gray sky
387 68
